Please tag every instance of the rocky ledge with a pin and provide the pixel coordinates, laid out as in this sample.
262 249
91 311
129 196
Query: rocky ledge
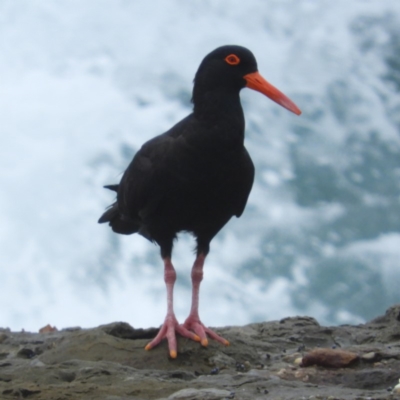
294 358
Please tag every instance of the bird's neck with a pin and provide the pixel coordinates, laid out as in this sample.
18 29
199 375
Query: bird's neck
220 111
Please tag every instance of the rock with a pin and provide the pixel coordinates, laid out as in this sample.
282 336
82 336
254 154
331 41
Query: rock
125 331
26 353
48 328
201 394
298 361
37 363
396 389
222 360
291 358
330 358
369 357
109 363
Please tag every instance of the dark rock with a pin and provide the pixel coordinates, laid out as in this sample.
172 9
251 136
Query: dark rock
26 353
110 363
214 371
67 376
20 392
125 331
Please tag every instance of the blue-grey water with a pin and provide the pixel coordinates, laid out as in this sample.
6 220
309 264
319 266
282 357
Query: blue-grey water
84 84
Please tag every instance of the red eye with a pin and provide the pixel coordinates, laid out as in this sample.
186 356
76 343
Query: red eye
232 59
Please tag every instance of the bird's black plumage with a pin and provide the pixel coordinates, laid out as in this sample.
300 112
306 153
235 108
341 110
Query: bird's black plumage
194 177
197 175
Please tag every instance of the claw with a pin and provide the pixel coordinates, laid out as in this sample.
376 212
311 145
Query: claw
173 354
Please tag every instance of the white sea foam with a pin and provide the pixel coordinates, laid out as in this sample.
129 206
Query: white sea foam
84 84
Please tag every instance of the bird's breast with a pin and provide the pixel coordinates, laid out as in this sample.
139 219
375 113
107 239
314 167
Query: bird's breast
208 184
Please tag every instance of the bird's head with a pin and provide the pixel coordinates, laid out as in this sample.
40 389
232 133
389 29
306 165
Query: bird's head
231 68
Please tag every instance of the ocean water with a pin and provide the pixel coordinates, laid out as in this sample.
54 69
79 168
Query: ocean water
84 84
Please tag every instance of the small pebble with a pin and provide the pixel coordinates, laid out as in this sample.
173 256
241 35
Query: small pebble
369 356
240 367
214 371
37 363
281 373
298 361
396 389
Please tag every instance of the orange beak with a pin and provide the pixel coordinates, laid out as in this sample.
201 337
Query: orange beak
256 82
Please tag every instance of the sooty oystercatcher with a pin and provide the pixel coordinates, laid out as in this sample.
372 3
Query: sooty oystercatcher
195 177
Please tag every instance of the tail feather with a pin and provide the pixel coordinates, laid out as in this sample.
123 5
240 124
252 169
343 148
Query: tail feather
114 188
118 223
110 214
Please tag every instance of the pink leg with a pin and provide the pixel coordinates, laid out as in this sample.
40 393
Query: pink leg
193 322
170 325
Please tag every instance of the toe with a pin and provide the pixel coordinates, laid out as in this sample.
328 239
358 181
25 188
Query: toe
183 331
216 337
171 338
160 336
201 331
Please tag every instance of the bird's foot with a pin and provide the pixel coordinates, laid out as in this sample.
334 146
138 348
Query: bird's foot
194 324
168 329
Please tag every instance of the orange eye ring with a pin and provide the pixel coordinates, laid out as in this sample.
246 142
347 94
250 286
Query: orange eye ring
232 59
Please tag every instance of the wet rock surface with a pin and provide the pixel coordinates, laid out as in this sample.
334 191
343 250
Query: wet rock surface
264 361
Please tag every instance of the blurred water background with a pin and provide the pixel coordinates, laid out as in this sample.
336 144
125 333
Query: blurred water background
84 84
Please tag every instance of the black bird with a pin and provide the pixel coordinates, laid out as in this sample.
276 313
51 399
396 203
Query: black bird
195 177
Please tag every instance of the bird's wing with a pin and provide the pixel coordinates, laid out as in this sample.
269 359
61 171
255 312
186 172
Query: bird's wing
248 179
145 181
